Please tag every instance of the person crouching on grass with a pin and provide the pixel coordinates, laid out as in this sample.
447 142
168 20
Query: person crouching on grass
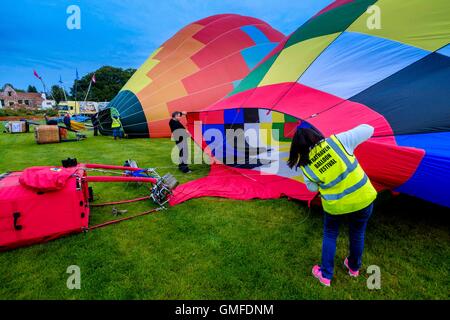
180 139
330 167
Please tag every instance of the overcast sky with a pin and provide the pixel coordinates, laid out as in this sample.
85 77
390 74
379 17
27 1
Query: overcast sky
34 35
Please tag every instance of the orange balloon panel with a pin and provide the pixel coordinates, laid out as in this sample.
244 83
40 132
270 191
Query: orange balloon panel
197 67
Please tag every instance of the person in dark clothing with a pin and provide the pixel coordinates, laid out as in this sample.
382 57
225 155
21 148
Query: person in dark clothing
180 136
67 121
95 123
50 122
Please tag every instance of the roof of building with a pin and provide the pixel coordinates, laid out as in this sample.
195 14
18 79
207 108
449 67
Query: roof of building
20 95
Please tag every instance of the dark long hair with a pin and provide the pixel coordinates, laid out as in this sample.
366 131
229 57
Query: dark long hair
302 142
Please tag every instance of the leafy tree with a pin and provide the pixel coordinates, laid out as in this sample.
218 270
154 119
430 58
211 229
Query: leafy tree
109 81
32 89
15 89
57 93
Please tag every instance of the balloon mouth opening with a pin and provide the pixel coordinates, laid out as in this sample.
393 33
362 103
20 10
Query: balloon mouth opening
128 108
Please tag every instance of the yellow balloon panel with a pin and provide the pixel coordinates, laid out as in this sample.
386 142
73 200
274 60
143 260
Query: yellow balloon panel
293 61
420 23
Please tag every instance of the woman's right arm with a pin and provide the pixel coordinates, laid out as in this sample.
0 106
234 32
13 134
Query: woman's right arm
352 138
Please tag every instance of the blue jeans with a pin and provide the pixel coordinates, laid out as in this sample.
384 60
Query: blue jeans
357 229
116 133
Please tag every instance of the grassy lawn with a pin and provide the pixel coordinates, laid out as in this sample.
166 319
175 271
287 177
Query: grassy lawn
214 248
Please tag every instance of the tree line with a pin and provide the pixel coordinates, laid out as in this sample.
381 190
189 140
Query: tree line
109 81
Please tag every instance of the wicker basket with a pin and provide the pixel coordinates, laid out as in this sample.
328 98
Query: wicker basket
47 134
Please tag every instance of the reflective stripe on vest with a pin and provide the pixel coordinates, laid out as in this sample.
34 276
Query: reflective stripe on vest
351 166
311 175
344 187
347 191
115 123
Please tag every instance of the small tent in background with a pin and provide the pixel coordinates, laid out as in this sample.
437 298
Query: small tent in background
199 65
334 73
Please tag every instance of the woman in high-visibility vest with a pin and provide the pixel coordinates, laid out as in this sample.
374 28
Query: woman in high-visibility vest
329 166
116 127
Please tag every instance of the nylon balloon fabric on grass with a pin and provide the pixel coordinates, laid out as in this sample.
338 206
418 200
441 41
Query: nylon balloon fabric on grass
334 73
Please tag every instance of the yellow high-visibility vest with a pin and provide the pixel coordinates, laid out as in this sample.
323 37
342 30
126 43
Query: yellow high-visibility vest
115 123
344 186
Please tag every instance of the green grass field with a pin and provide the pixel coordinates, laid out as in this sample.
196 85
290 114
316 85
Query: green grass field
215 248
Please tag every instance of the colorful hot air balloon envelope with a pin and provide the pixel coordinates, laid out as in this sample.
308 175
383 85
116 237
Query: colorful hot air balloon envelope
198 66
335 72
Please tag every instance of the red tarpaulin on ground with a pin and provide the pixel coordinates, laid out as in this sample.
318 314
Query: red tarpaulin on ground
240 184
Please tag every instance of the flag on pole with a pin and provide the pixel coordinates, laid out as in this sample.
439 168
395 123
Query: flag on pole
36 75
75 89
61 84
42 81
89 88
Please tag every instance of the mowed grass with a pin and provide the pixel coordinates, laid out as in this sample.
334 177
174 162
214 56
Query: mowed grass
213 248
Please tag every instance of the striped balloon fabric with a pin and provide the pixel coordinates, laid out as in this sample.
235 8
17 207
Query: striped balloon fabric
195 68
385 63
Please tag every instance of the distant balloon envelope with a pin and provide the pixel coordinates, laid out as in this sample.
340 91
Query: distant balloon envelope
197 67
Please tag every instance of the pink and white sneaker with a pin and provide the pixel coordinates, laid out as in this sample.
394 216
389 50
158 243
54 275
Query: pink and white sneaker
350 271
318 274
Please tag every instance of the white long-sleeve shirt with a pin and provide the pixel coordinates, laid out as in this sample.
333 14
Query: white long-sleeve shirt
350 140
